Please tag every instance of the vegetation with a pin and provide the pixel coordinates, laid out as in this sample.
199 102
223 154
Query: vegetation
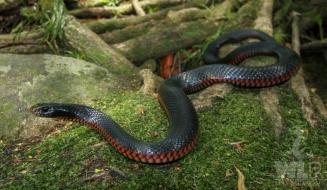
70 154
236 133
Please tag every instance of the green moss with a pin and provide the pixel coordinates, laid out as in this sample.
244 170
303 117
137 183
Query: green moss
70 155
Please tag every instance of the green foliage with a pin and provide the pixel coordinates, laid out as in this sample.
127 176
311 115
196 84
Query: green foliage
319 21
75 54
51 15
152 9
195 58
229 13
280 36
202 4
112 3
71 154
53 24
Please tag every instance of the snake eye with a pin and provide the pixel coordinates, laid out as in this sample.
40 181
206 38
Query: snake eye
42 110
45 109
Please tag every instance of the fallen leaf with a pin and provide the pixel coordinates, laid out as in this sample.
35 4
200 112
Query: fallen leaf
166 67
241 180
237 146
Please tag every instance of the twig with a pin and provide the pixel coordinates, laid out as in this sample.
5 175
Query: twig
138 9
19 160
124 9
95 176
107 25
297 82
120 172
296 32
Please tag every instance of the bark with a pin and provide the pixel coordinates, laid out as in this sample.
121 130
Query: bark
298 84
125 34
21 38
79 38
6 5
27 49
296 32
170 39
85 3
137 7
167 40
24 43
172 20
315 46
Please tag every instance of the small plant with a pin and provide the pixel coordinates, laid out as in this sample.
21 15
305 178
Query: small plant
152 9
53 24
201 4
318 20
196 56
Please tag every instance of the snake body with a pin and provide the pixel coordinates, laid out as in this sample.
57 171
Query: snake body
184 125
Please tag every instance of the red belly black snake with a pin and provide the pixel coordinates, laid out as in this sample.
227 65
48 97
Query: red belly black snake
184 125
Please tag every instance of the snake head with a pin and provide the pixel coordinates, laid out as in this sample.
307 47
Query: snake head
47 110
54 110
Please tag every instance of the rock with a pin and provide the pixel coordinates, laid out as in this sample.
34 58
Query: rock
29 79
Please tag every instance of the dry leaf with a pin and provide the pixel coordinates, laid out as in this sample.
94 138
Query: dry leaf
237 146
241 180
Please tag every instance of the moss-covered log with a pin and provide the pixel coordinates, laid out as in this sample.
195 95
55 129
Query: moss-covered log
81 39
166 40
